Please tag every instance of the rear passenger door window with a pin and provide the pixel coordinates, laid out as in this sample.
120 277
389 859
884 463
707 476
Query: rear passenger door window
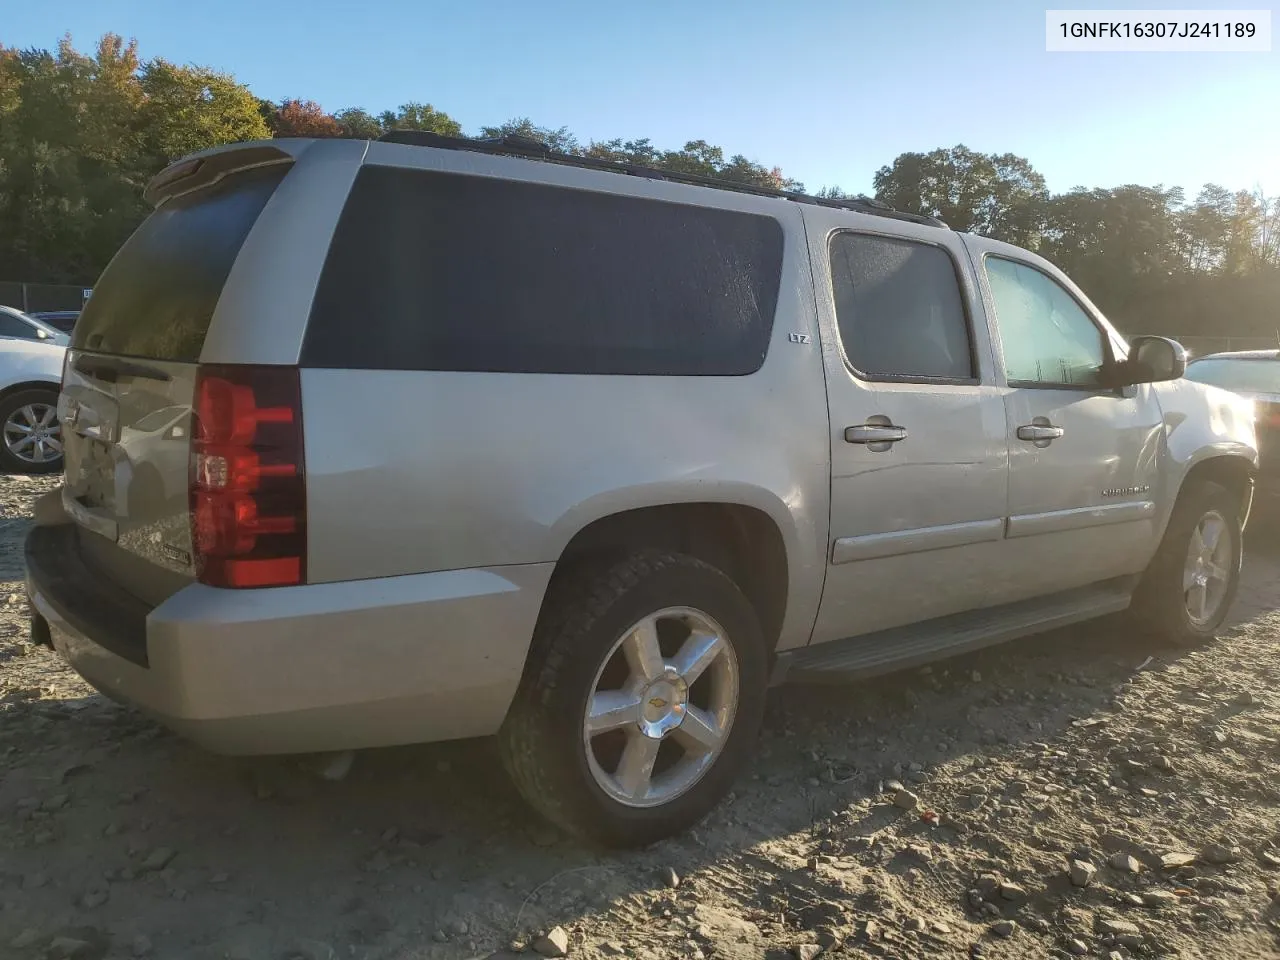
1048 339
899 309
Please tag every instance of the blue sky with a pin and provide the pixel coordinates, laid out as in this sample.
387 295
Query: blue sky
830 90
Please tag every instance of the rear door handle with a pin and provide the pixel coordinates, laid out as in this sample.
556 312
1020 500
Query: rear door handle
1040 432
874 433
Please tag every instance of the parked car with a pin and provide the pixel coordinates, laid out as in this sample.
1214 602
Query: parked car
1254 374
587 456
30 373
64 320
24 326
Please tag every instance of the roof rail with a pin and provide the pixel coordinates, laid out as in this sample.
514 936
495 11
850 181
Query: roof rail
528 147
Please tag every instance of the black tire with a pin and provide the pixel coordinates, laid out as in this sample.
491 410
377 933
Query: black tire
585 614
1160 602
9 462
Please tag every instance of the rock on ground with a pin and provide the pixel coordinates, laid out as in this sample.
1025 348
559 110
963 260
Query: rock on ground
553 943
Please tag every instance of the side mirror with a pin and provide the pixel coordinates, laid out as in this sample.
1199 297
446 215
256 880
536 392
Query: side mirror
1153 360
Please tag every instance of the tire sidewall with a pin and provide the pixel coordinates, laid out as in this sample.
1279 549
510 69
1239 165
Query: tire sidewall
684 584
10 463
1206 498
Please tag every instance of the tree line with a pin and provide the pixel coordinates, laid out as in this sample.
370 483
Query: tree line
82 133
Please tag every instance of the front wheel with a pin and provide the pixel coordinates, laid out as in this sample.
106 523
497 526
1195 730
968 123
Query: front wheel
641 701
1191 583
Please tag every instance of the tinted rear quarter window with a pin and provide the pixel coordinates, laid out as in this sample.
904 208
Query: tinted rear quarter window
157 296
433 271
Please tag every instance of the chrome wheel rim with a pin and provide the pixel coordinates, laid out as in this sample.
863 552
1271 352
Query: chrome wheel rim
661 707
33 435
1207 573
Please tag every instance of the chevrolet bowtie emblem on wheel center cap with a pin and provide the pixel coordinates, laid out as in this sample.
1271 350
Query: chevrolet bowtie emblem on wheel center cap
657 703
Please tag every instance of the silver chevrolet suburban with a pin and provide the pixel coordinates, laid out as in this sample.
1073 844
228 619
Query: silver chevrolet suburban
371 443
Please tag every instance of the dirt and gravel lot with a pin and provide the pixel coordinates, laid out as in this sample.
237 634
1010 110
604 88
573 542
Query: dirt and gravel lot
1086 793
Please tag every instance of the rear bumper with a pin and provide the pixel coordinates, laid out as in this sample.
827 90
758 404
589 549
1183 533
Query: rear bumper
364 663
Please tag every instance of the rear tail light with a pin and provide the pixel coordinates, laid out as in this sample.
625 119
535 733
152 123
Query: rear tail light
248 493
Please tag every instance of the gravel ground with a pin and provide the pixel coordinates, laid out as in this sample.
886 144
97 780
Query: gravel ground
1085 793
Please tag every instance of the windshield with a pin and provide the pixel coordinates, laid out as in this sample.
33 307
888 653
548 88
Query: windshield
1245 376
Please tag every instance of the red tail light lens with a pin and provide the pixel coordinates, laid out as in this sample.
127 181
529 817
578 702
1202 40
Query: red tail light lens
248 493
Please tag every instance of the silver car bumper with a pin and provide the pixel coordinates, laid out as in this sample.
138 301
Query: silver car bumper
365 663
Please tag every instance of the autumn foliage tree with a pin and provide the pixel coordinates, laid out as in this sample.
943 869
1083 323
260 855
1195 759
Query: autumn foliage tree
303 118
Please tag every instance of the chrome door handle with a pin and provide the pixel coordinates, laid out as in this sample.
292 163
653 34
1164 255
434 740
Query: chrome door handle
1039 433
874 433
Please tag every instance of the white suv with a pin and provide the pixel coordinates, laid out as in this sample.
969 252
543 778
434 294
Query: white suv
379 442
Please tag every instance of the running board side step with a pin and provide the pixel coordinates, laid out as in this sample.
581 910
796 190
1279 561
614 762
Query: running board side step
918 643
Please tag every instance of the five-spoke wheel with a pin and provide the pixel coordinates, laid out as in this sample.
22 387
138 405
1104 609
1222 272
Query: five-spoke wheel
1188 588
1209 571
656 722
641 698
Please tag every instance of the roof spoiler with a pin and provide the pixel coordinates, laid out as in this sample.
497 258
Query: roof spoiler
192 173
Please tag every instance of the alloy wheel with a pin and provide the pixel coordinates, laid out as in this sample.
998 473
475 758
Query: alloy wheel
661 707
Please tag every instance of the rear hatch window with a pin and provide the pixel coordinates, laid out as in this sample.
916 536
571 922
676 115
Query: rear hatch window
130 380
157 296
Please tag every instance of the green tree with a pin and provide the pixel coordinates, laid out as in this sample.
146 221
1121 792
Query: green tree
1203 227
70 190
187 108
420 116
698 158
996 195
1118 244
742 170
1244 251
559 139
359 124
637 152
1233 233
1266 244
80 136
